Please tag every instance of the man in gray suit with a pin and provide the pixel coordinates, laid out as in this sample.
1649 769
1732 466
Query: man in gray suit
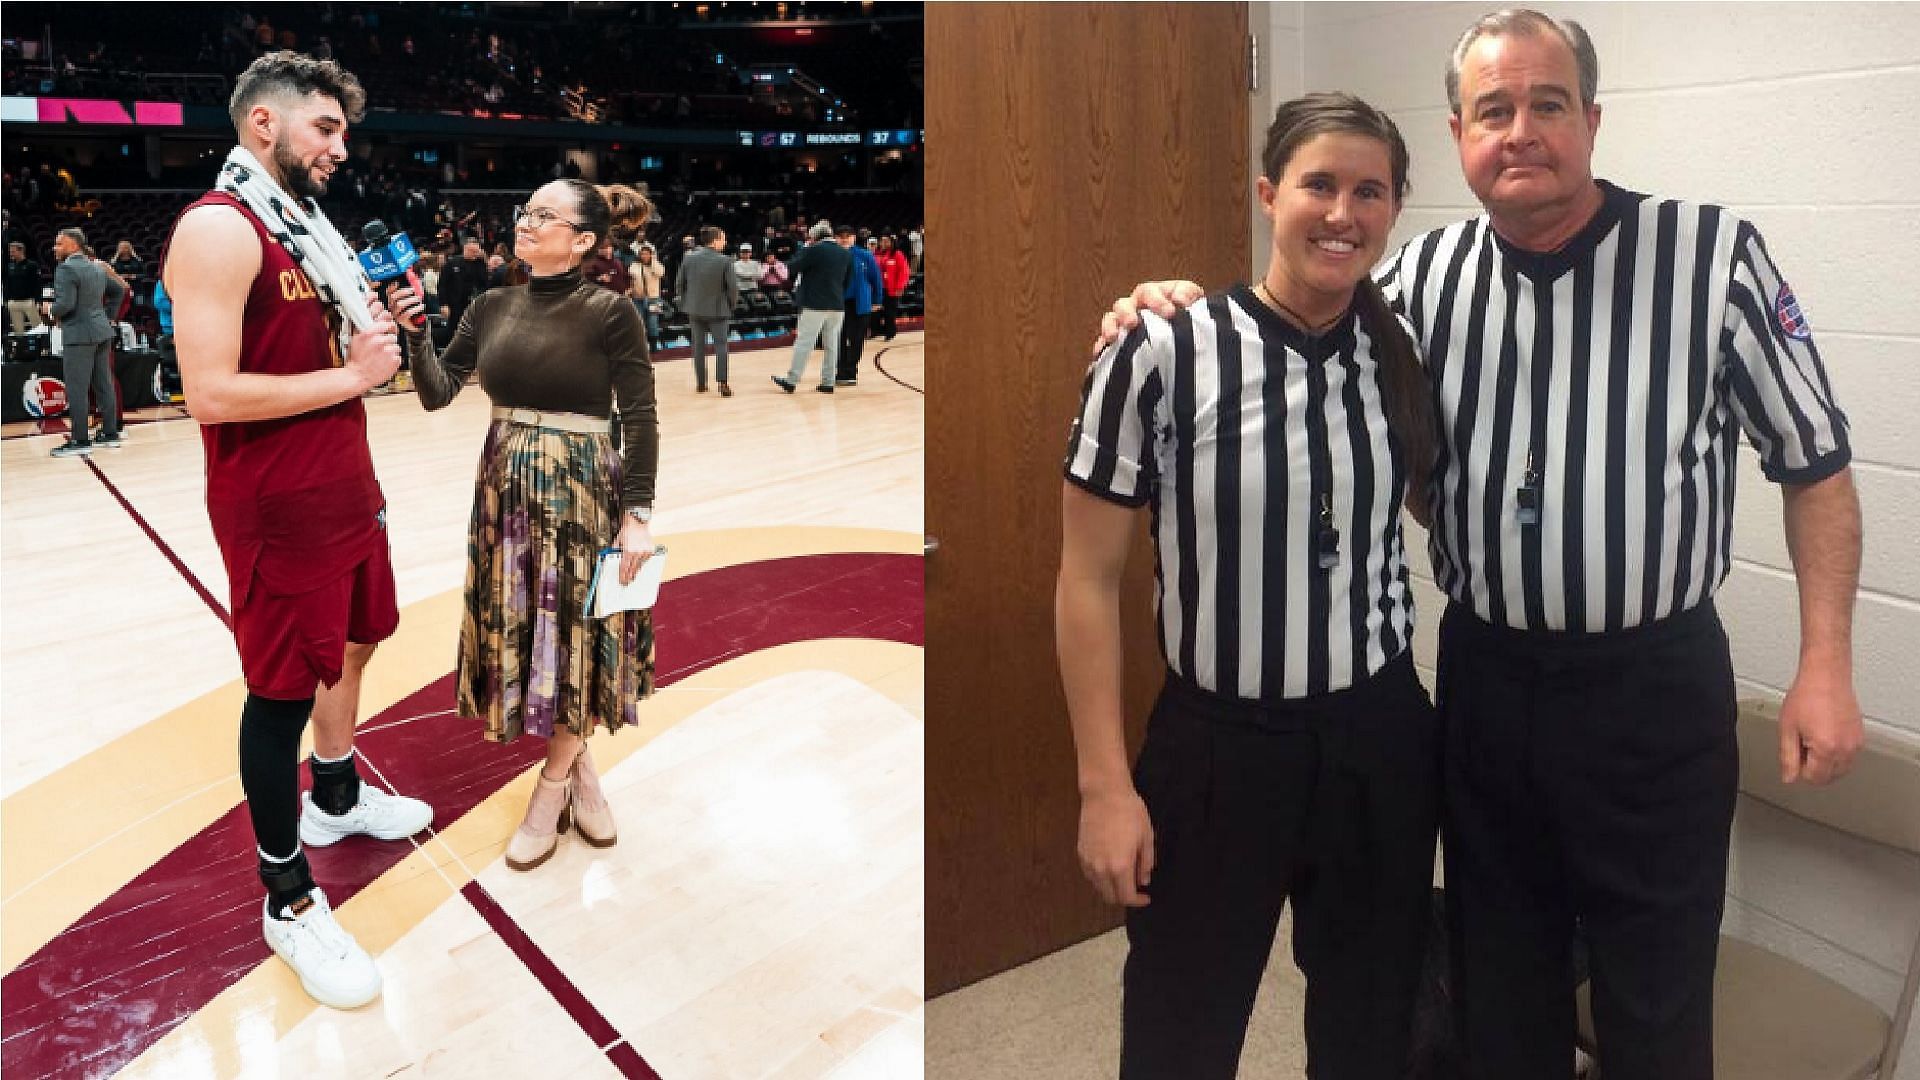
707 290
86 343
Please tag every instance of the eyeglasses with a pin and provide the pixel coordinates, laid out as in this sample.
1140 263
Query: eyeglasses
541 217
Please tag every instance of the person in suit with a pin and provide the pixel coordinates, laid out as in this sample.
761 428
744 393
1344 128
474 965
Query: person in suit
86 337
708 290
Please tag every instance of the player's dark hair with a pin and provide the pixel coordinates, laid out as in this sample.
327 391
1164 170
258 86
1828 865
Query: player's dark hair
287 72
1404 391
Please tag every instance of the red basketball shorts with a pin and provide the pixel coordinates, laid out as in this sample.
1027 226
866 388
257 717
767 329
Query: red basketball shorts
291 643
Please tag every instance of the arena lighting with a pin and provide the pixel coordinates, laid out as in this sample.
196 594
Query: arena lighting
26 110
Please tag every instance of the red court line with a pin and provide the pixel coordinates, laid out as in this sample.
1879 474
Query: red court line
178 563
604 1034
156 951
891 375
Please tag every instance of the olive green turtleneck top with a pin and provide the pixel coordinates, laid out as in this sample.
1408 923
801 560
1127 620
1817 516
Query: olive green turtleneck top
558 344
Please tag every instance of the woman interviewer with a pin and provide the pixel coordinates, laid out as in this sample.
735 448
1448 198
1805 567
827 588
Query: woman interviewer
555 357
1292 754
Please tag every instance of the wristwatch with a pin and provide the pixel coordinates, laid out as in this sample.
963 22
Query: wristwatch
641 514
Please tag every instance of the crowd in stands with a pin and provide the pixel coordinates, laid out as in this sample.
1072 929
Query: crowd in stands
633 65
465 238
638 65
470 251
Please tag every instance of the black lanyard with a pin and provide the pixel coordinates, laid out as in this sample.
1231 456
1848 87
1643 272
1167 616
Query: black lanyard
1326 538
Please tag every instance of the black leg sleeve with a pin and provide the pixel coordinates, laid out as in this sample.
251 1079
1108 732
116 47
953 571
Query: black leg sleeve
270 770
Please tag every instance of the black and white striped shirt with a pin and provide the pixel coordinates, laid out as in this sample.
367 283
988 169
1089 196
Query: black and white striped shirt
1239 429
1608 377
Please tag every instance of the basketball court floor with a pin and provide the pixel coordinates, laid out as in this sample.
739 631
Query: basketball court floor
761 915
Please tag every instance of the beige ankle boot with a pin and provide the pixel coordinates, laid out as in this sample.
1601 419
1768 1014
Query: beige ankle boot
594 826
529 849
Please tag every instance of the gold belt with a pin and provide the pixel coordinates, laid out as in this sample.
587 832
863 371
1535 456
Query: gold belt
558 421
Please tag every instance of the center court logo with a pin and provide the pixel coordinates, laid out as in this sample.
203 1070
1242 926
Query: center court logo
44 396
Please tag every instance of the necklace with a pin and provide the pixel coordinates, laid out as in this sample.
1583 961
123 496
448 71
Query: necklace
1265 295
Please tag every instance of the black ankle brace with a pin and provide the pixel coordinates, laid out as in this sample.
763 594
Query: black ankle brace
286 882
336 784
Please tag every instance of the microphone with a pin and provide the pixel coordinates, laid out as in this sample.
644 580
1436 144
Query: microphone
390 257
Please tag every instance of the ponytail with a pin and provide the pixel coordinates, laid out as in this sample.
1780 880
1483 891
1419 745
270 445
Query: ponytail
627 208
1405 395
611 210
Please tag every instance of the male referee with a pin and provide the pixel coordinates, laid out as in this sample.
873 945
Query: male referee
1595 354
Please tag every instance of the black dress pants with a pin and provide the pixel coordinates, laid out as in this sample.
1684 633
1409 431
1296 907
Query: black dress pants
1331 802
853 341
1590 783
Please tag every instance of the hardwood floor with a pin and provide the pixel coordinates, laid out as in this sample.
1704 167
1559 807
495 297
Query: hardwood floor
761 914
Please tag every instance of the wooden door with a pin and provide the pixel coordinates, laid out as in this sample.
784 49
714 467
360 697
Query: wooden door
1072 150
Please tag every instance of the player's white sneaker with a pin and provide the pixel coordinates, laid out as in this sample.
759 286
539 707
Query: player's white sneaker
333 968
377 814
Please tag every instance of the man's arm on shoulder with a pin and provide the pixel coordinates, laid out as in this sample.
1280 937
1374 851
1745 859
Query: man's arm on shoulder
1164 298
211 265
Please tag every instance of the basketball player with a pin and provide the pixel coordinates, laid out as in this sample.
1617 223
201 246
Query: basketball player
261 283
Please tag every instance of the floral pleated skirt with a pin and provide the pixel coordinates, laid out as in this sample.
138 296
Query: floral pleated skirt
531 660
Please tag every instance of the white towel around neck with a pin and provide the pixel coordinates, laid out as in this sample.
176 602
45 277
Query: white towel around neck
305 234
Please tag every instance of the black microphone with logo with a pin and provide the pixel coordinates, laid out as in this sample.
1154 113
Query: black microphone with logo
390 257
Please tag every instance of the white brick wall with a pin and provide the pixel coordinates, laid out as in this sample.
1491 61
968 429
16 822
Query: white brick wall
1805 118
1278 28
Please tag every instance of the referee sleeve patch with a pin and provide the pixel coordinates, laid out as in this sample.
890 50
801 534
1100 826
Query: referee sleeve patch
1786 311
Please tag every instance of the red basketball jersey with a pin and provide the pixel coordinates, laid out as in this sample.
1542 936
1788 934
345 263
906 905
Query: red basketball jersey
294 499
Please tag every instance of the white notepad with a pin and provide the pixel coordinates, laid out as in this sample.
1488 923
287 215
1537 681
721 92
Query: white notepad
606 595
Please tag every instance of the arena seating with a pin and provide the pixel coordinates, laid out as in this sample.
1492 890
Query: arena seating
638 66
451 58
